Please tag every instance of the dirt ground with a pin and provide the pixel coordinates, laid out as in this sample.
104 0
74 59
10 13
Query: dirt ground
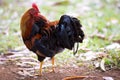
9 71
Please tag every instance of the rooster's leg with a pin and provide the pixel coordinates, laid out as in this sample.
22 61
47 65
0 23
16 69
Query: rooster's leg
53 64
41 63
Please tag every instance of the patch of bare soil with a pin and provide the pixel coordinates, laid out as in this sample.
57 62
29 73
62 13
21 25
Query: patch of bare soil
10 71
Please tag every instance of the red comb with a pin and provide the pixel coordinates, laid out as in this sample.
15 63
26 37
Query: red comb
35 6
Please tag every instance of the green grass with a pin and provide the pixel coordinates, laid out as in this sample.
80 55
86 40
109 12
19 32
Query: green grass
113 59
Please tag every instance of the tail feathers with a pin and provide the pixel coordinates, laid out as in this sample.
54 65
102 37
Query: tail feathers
78 32
69 31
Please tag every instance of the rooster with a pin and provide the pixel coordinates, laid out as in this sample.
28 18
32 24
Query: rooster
46 38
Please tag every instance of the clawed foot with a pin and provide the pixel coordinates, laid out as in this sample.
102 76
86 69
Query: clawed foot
52 71
37 74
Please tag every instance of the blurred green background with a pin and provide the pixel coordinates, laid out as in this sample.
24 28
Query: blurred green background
100 20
